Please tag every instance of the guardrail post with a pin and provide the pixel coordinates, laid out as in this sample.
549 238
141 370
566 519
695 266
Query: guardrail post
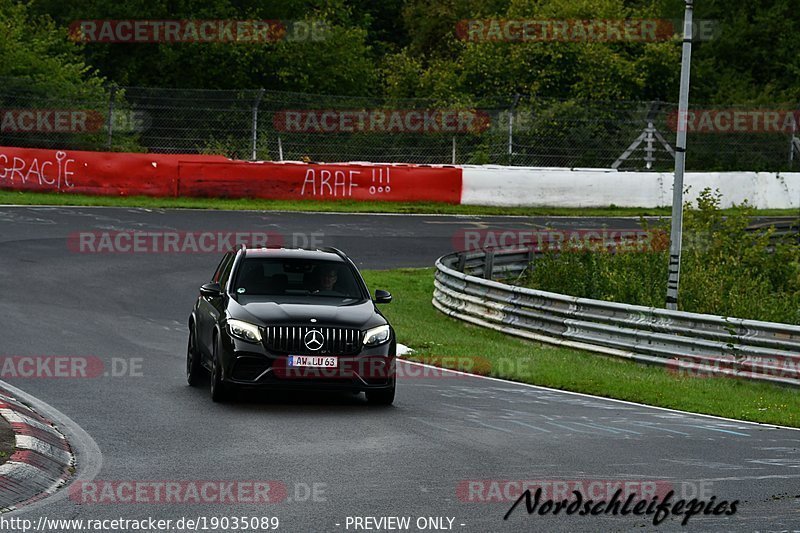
488 265
462 262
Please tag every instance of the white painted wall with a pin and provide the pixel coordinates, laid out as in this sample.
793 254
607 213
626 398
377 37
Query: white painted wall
563 187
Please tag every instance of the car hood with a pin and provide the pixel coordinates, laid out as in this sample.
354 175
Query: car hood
360 315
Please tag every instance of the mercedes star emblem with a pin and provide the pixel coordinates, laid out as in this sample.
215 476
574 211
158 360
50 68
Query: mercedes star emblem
313 339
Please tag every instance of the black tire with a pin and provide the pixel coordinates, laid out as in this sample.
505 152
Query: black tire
193 369
219 390
381 397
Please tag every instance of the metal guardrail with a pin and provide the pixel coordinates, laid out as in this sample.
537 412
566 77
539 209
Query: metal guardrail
787 229
466 289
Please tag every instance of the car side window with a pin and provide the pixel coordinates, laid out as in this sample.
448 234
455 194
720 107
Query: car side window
226 271
226 260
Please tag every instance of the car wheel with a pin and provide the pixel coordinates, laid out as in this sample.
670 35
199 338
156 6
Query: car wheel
381 397
219 391
193 369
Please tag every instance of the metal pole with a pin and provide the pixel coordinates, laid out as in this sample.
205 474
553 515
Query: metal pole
511 128
255 123
649 149
791 145
676 229
510 133
280 149
796 142
110 121
454 149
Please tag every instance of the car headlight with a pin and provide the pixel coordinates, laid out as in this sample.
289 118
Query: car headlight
376 336
244 331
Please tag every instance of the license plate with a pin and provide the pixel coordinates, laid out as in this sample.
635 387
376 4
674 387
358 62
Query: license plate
313 360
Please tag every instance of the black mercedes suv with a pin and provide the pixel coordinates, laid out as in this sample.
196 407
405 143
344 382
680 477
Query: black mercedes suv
291 319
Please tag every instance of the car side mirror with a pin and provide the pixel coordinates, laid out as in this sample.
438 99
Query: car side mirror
211 290
382 297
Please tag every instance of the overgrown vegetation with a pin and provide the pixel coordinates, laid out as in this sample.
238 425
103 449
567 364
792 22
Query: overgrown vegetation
726 269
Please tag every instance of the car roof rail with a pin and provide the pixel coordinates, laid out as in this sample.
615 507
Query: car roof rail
242 247
332 250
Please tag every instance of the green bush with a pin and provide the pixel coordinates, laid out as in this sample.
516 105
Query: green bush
726 268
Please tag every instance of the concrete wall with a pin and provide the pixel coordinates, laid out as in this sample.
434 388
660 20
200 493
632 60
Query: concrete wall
561 187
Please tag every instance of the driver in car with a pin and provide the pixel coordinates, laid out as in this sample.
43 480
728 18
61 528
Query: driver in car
327 279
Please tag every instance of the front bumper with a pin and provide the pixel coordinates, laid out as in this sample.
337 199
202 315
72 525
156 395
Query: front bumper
248 365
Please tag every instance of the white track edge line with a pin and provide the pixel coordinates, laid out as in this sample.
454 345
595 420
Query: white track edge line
459 215
585 395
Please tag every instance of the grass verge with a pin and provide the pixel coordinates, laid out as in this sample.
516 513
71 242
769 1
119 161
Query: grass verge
438 339
339 206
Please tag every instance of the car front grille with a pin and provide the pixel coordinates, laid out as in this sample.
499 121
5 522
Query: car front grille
292 340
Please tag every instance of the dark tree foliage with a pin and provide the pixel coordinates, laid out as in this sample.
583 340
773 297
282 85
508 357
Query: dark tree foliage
410 48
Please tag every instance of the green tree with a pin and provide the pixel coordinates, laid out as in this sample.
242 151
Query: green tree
582 70
752 56
35 55
340 62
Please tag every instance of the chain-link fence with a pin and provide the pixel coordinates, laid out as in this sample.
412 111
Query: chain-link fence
270 125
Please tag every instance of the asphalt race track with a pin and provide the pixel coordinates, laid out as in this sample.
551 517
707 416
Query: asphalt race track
414 459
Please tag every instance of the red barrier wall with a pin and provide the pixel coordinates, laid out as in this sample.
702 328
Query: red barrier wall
108 173
288 181
105 173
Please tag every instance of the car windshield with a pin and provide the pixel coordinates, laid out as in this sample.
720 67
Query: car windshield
296 277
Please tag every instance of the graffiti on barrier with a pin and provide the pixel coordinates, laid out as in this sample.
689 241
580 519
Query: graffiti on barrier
37 171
